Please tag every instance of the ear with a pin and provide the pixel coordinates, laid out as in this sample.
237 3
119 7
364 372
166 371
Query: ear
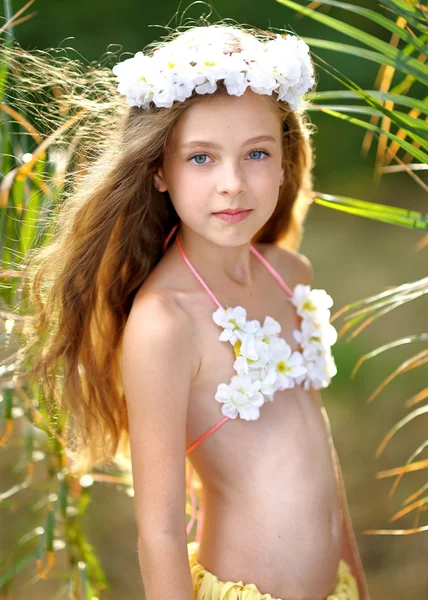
159 180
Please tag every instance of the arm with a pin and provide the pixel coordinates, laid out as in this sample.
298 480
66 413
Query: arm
158 359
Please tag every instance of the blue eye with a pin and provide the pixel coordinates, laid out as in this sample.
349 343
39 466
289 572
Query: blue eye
196 156
260 151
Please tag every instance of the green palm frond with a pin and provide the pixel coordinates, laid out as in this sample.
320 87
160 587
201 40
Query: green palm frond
360 314
402 60
421 105
411 134
393 215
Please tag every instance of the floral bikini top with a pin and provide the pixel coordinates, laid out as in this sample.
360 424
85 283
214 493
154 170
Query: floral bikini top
264 361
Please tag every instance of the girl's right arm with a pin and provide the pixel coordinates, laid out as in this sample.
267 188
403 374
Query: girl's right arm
158 363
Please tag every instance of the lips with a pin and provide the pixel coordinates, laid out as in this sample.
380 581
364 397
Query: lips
232 216
230 211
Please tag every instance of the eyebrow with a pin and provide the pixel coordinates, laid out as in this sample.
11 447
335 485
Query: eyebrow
258 138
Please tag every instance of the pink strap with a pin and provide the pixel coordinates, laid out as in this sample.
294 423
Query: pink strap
170 234
272 270
205 435
196 274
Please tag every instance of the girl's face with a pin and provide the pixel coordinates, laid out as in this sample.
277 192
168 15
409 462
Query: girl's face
225 152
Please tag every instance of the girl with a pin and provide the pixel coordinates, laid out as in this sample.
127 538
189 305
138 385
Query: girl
186 327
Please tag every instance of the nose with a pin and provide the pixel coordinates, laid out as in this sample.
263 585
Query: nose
231 180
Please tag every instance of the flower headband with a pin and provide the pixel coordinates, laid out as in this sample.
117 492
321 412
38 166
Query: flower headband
280 65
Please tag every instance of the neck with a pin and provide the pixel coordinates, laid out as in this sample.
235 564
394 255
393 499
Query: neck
221 263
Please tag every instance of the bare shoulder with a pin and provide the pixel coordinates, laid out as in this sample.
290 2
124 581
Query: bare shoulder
155 311
158 320
293 266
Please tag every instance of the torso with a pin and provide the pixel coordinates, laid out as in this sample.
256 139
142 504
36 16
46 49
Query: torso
272 509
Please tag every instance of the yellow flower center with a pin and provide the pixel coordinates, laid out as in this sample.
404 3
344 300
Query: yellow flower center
210 63
171 65
309 305
282 367
237 348
142 78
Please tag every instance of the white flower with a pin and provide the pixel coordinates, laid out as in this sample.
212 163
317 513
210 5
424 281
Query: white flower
267 377
241 397
270 329
178 75
288 365
253 354
247 352
292 68
138 79
319 372
309 333
285 65
252 327
330 366
312 304
208 69
260 75
233 321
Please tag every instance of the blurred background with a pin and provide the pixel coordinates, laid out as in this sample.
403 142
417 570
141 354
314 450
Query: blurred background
352 258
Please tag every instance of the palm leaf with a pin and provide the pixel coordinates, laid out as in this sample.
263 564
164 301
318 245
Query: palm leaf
413 13
421 105
415 413
410 219
380 20
406 119
377 57
402 62
423 157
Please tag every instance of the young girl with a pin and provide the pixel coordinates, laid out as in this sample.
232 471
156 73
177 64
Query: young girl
188 326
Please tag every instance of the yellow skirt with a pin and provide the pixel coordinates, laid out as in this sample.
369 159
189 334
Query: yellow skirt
207 586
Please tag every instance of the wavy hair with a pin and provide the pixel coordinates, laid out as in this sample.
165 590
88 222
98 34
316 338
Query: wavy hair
109 231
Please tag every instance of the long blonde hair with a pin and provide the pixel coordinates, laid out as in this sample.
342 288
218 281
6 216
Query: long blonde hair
109 233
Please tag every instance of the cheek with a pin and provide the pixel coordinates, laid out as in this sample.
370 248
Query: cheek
184 177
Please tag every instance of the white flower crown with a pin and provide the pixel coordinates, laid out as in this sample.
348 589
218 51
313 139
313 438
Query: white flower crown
280 65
